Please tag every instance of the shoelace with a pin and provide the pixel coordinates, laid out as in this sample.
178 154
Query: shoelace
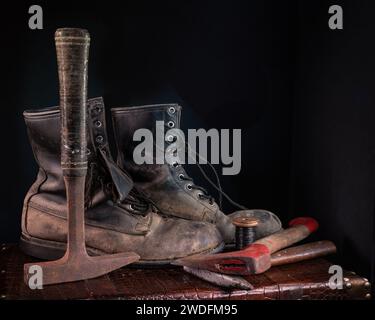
218 188
205 194
139 202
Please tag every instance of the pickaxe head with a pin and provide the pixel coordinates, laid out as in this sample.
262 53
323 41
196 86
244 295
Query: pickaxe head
81 266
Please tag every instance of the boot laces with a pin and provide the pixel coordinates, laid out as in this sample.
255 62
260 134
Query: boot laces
217 186
204 193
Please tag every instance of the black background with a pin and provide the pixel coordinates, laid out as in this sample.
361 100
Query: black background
302 94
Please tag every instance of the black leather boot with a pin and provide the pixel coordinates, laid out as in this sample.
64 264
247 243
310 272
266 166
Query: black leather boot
118 217
168 185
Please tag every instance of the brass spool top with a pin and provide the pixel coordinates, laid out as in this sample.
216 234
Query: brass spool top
245 222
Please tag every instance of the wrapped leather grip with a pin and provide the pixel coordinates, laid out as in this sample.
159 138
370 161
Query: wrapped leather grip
72 48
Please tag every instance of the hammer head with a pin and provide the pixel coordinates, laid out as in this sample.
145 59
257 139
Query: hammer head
78 266
254 259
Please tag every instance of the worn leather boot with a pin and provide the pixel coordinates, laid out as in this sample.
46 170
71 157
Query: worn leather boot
118 218
169 187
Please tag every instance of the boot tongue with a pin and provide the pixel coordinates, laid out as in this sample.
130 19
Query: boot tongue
122 182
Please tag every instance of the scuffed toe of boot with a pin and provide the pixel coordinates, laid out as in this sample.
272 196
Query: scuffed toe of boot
203 237
269 222
170 239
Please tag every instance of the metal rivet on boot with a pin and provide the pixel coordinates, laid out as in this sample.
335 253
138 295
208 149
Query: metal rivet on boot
172 110
98 123
170 138
99 139
170 124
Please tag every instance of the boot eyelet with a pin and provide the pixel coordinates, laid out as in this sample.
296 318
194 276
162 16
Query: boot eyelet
189 187
175 164
131 207
170 124
98 123
88 151
99 139
98 109
172 110
181 176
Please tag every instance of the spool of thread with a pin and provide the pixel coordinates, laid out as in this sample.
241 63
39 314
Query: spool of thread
245 231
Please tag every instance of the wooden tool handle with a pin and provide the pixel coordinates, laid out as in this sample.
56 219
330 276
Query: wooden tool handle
299 229
303 252
72 48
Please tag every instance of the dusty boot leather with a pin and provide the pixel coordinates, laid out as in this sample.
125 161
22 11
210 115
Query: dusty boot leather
168 186
118 217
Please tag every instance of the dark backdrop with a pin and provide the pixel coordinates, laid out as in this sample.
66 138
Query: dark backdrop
302 94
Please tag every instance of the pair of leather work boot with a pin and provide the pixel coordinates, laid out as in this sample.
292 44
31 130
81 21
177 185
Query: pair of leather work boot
154 210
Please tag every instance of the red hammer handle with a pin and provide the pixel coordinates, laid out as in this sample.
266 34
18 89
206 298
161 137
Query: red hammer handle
299 229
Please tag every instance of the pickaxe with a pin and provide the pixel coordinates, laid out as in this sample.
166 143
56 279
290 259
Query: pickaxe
72 47
256 258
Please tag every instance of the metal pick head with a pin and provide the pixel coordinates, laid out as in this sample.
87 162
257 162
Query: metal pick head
75 267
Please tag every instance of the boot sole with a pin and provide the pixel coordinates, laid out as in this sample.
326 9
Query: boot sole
53 250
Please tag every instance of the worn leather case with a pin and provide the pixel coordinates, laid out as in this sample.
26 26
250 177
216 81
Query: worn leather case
307 280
